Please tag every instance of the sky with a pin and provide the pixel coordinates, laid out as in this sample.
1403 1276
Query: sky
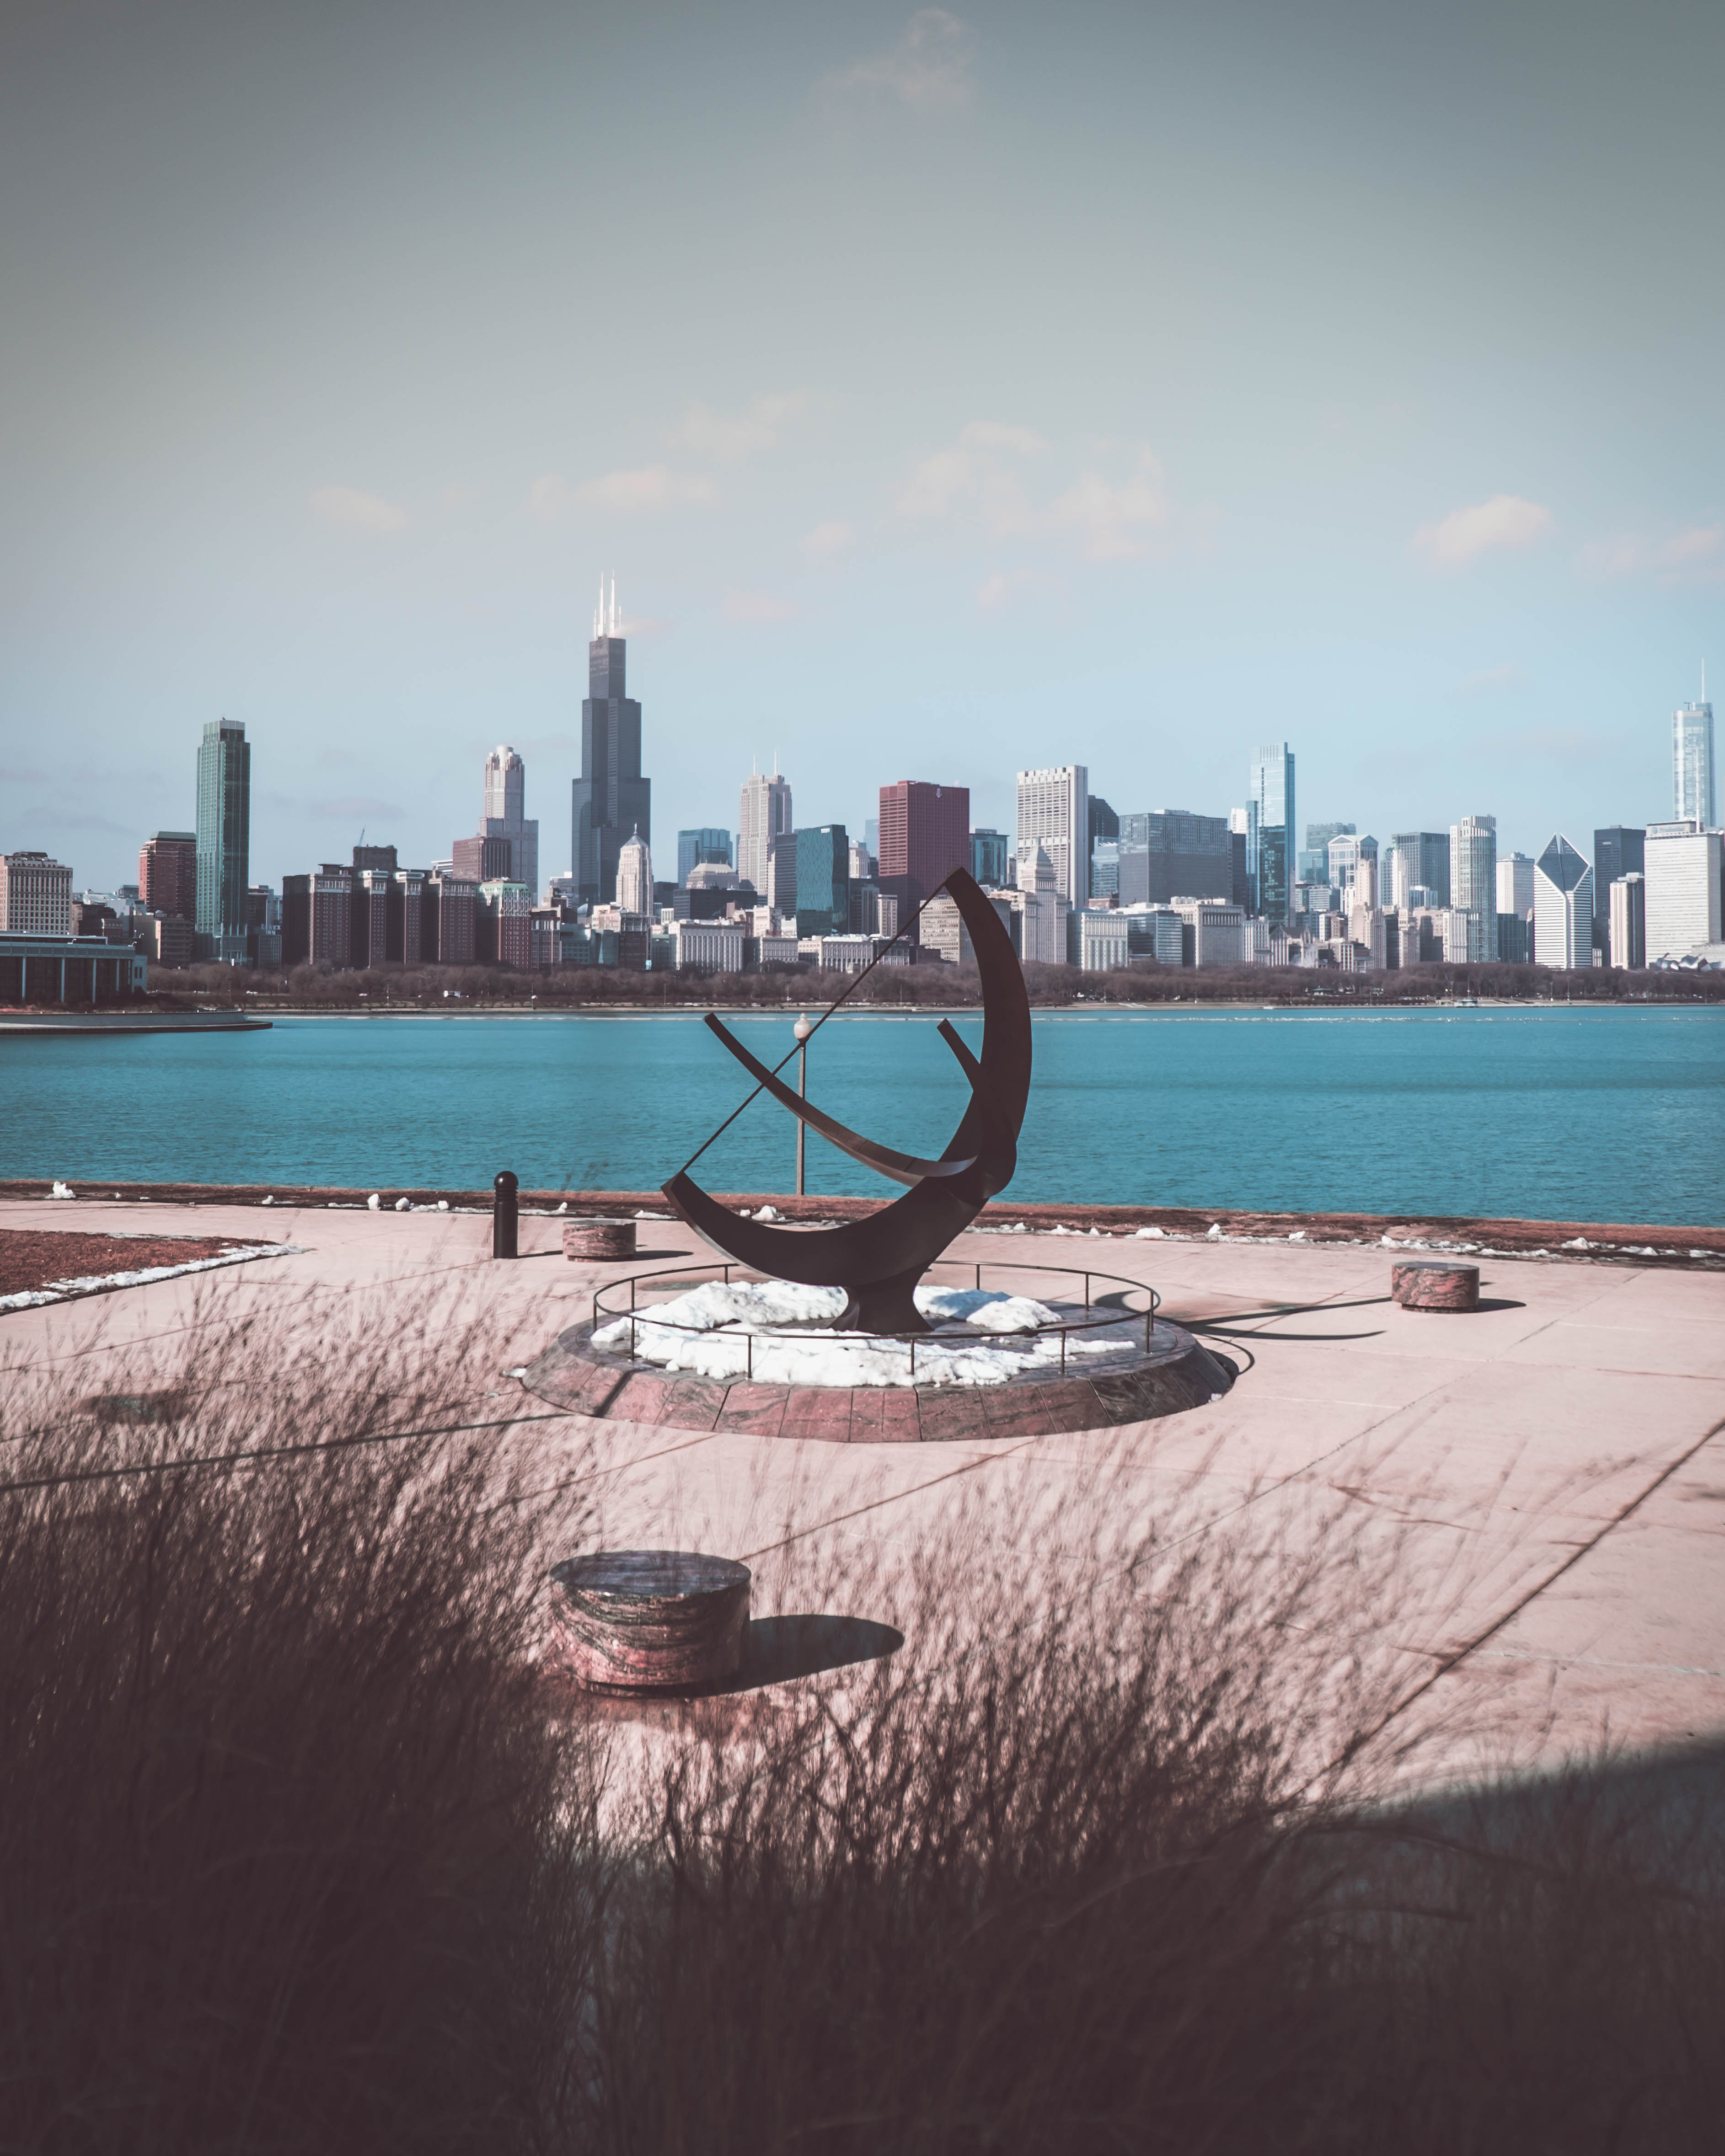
947 391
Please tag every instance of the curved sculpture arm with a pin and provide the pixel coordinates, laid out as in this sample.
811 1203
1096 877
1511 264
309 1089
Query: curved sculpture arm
901 1167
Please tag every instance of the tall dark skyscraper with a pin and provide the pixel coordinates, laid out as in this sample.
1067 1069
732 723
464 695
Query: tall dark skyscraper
612 800
224 831
1619 850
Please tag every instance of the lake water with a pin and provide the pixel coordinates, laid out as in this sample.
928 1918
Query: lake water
1609 1114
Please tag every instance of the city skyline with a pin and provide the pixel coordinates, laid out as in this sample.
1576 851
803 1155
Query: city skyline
1456 519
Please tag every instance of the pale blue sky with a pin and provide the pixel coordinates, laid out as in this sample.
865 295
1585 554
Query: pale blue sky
948 391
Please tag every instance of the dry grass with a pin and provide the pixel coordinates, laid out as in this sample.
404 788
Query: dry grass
307 1853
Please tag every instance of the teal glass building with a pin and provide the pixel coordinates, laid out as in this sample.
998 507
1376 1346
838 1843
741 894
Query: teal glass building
224 830
823 881
1271 873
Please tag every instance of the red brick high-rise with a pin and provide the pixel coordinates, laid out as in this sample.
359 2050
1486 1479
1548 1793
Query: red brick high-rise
925 834
168 874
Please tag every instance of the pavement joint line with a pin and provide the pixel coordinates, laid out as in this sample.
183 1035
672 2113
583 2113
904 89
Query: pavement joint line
1468 1647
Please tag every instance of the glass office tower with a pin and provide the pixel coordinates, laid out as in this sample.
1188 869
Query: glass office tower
1272 795
225 833
823 881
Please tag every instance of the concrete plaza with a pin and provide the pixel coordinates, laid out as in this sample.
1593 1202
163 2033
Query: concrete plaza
1550 1472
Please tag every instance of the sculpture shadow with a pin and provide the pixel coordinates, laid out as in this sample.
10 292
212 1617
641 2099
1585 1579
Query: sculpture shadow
777 1649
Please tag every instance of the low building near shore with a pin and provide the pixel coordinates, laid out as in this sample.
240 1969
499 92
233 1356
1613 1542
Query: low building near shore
69 969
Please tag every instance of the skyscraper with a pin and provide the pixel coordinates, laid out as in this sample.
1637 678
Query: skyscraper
1167 853
610 798
1619 850
1473 883
1054 813
1272 795
35 894
988 852
1314 855
707 842
1627 920
224 830
168 874
1104 830
1418 860
1562 906
822 900
763 815
634 876
1692 761
505 847
925 834
1683 893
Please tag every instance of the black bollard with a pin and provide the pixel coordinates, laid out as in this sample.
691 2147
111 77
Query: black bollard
504 1216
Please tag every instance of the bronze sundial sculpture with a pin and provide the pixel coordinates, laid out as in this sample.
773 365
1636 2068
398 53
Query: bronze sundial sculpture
879 1261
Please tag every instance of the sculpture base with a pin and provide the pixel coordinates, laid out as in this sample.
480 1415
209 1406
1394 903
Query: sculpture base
1173 1373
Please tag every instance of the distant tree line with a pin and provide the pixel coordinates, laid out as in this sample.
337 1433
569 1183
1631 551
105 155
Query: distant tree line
446 988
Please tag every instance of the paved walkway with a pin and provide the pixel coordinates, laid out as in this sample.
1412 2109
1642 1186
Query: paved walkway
1546 1478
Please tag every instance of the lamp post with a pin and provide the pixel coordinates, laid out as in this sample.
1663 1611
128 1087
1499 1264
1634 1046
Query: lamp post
802 1029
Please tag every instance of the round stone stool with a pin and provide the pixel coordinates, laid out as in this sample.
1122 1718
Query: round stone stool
650 1621
1433 1284
599 1238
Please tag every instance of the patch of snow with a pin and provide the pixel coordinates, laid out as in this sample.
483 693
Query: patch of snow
1577 1243
63 1190
443 1204
269 1200
709 1332
1298 1235
67 1291
564 1207
374 1203
1152 1234
1215 1232
401 1205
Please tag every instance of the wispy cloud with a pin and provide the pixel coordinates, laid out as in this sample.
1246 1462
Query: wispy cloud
1505 521
930 70
730 438
1694 555
981 480
828 540
977 476
1109 519
359 511
644 491
756 606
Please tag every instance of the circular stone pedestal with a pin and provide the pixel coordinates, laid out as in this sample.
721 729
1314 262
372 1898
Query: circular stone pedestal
599 1238
1432 1284
1173 1373
650 1621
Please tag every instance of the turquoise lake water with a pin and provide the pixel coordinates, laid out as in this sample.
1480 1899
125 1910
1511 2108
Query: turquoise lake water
1547 1114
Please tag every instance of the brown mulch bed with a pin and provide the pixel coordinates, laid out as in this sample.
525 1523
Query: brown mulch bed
37 1258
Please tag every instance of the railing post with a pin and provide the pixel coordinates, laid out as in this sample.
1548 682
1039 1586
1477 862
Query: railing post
505 1215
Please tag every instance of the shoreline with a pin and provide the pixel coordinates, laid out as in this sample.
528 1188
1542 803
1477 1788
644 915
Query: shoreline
1611 1242
267 1015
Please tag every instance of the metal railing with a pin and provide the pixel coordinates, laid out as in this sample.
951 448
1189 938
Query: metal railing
955 1332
